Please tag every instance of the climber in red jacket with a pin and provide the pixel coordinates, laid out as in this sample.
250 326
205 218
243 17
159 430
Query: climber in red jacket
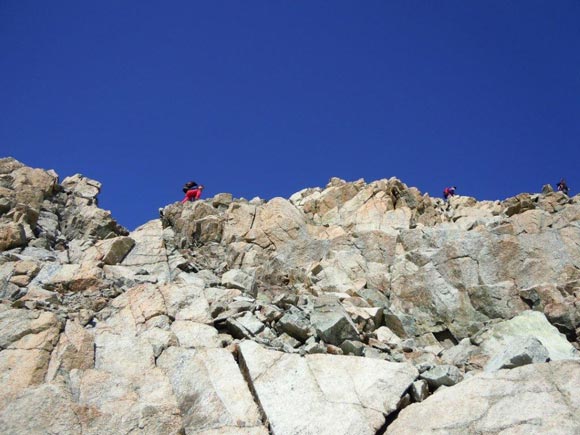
192 191
449 191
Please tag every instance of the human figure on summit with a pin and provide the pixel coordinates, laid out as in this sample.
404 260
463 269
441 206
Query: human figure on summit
562 186
192 191
449 191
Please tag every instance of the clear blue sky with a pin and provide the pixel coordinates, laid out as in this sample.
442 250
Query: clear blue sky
264 98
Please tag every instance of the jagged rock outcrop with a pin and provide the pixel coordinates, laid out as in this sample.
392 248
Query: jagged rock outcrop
329 312
446 268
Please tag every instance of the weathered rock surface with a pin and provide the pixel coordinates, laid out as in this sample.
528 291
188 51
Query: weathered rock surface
210 390
500 337
519 352
324 393
12 235
328 312
534 399
442 375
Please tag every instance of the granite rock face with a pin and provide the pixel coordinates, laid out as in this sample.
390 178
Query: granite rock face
324 393
223 315
534 399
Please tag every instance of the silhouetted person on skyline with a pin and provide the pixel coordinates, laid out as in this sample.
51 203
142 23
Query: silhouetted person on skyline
192 191
449 191
562 186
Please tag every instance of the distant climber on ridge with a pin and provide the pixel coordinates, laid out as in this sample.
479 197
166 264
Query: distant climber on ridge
562 186
192 191
449 191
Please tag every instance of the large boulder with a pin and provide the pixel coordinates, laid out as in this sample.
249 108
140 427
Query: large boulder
447 375
82 186
519 351
81 217
240 280
534 399
277 223
27 339
23 185
33 412
12 235
109 403
193 222
332 323
500 337
110 251
75 350
324 393
210 391
149 254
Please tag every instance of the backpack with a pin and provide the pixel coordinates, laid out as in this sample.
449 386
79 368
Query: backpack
189 186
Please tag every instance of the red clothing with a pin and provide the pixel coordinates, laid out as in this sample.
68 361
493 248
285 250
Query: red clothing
192 195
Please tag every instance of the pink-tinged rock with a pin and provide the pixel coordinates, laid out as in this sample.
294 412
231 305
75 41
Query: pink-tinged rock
75 350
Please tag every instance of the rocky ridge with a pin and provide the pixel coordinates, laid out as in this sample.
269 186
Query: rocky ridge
354 308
